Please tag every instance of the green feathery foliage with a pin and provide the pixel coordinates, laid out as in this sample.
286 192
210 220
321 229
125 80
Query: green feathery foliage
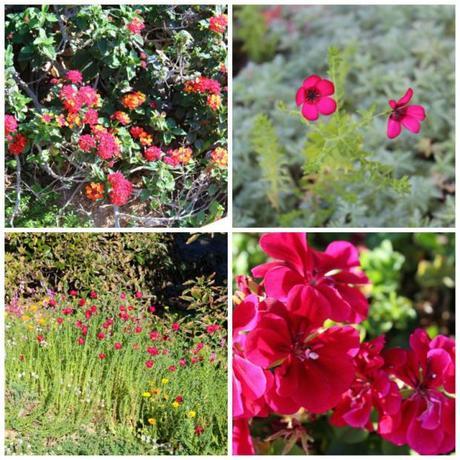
264 141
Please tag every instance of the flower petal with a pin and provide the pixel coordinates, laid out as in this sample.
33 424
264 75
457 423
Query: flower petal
300 96
310 112
406 98
311 81
393 128
326 106
416 111
325 87
411 124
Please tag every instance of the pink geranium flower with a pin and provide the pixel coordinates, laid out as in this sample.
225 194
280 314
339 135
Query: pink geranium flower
406 115
311 369
314 98
318 284
426 421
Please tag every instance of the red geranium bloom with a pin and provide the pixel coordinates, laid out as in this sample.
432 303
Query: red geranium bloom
152 309
93 295
149 363
182 362
175 326
426 421
117 345
372 388
318 284
314 98
59 320
218 23
101 336
172 368
179 399
406 115
311 368
136 25
101 355
81 341
138 295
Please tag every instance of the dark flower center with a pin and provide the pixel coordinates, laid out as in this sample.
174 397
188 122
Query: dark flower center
398 114
311 95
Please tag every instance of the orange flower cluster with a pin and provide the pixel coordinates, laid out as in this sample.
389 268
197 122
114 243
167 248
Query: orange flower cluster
121 117
214 102
182 155
219 156
133 100
94 191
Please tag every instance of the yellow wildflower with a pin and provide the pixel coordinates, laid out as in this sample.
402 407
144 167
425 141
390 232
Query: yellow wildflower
155 391
191 414
152 421
146 394
25 317
33 307
164 381
175 404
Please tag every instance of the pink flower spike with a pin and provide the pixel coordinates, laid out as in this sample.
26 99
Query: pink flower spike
314 98
402 114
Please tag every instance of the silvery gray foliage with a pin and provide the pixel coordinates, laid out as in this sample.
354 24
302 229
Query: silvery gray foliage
396 47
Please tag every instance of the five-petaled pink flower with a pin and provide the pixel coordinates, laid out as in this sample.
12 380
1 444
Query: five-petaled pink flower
314 97
404 114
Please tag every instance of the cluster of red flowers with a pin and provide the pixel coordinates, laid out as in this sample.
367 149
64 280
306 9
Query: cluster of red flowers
17 143
122 189
136 26
286 359
315 98
218 23
105 143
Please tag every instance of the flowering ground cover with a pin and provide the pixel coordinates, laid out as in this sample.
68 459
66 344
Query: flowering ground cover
115 115
96 372
343 116
330 358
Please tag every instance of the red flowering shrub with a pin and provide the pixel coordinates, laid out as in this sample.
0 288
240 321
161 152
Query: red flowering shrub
144 98
297 353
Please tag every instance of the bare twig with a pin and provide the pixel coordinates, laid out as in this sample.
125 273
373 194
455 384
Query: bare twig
18 191
26 88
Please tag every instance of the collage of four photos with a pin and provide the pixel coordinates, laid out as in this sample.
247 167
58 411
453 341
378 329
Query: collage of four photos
229 229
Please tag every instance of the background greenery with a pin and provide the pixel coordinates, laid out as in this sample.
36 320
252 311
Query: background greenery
386 49
412 285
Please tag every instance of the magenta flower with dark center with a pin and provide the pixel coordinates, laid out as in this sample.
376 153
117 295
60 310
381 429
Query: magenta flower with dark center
404 114
314 98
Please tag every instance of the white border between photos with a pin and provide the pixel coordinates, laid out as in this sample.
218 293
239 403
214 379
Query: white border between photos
223 225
